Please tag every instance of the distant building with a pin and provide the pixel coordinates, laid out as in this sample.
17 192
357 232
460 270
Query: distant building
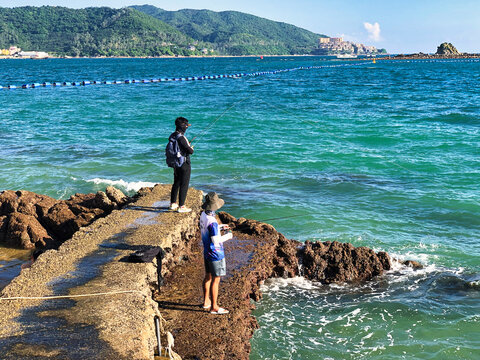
336 41
14 50
192 48
336 46
33 54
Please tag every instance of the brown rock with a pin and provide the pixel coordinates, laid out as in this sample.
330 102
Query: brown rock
103 202
56 217
285 260
3 227
385 260
116 195
25 230
226 218
43 205
83 200
253 227
413 264
61 221
334 262
143 192
86 218
24 202
8 202
30 203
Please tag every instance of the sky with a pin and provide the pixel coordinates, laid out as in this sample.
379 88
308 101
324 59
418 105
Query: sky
400 26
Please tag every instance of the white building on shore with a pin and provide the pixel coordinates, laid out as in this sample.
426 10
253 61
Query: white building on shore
33 54
339 46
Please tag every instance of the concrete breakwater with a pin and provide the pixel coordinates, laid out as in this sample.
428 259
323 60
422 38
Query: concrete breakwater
118 324
105 306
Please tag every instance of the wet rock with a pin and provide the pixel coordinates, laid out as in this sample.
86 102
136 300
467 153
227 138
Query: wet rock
327 262
385 260
253 227
335 262
413 264
286 258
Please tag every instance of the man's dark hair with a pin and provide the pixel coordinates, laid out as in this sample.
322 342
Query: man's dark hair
180 121
181 124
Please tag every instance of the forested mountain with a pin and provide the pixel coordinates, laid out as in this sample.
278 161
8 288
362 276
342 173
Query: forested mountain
148 31
237 33
98 31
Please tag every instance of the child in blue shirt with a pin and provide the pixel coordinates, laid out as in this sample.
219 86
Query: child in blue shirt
213 253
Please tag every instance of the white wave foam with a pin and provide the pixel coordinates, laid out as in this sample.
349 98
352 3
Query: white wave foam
128 186
299 282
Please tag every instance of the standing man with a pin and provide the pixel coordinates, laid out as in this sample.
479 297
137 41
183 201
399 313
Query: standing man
213 253
181 175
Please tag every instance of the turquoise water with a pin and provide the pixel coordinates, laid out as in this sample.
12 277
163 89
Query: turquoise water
383 155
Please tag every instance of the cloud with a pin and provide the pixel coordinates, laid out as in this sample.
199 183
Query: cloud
373 31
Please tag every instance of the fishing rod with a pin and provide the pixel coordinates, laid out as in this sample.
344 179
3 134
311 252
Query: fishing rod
218 118
282 218
248 97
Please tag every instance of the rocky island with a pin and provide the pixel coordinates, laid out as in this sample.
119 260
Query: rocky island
444 51
96 303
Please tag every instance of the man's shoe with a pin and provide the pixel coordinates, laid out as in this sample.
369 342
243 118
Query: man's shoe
173 206
184 209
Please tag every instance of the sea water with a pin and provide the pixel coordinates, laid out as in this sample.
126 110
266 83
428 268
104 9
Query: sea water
382 155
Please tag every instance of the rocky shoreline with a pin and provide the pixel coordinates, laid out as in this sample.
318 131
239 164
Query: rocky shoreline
29 220
256 253
121 326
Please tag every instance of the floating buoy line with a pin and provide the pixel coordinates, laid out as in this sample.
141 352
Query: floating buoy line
36 85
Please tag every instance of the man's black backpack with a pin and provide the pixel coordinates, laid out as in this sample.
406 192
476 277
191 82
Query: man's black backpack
174 157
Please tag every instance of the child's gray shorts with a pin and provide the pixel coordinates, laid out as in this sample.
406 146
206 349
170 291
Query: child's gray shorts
216 268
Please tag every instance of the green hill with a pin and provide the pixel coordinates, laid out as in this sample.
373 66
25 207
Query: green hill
90 32
236 33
